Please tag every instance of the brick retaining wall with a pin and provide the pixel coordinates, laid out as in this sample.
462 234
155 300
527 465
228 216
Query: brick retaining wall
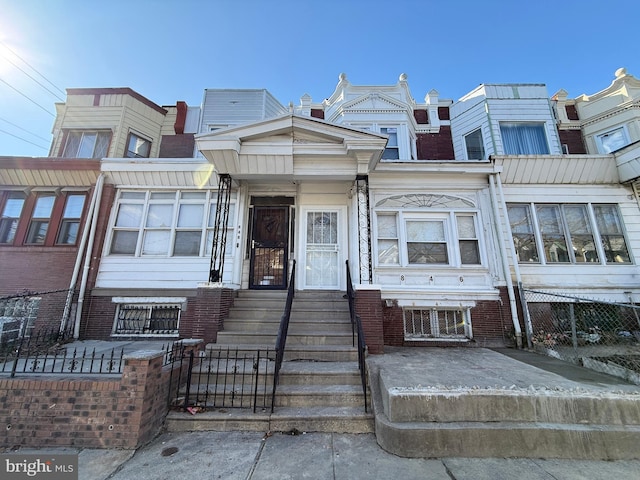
98 411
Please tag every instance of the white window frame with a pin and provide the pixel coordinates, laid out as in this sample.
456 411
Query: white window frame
146 202
452 239
567 234
602 148
132 137
424 324
83 134
542 125
405 138
466 145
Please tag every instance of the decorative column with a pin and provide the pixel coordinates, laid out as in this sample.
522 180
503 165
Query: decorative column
364 230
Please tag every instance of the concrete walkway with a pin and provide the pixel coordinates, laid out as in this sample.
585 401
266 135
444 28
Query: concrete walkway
238 455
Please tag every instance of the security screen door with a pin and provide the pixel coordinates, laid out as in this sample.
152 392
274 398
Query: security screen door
322 269
269 247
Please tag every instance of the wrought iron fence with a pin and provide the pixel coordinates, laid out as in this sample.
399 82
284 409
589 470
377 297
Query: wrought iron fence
603 336
222 378
50 352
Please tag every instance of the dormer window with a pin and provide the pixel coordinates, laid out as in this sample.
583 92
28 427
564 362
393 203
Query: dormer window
524 138
87 144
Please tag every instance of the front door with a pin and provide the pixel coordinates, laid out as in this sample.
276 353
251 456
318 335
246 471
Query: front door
269 247
322 256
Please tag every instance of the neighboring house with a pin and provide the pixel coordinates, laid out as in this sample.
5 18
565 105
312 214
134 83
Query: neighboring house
47 204
442 209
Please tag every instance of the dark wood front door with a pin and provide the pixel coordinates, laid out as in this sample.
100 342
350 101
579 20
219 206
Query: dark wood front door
269 247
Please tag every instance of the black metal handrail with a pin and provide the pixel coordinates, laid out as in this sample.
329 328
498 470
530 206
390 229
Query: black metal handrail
281 340
357 334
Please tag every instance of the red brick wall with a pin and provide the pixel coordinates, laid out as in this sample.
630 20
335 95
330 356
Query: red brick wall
124 412
97 319
435 146
177 146
573 140
368 306
317 113
491 322
211 308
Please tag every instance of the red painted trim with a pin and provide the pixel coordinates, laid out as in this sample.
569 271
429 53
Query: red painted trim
181 117
116 91
49 163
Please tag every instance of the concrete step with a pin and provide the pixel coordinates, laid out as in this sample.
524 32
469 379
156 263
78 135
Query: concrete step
271 327
284 419
293 339
319 396
319 373
317 353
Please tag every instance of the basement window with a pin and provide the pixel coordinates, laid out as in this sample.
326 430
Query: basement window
437 324
147 319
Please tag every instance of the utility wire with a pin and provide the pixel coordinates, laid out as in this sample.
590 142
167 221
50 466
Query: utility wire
25 130
32 68
28 98
48 90
23 139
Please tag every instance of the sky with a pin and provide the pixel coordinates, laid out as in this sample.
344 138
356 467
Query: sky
171 50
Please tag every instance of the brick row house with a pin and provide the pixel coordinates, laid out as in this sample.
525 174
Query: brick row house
157 216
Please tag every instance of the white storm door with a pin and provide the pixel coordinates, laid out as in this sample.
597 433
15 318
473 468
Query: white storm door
322 240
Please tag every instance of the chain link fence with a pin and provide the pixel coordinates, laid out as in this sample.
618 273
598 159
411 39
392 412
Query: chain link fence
602 336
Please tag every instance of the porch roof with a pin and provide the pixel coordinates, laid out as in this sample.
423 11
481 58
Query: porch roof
292 147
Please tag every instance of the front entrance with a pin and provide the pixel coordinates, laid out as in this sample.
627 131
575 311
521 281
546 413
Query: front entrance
323 236
269 247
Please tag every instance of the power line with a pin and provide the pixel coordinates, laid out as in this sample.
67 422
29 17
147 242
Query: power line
24 139
24 130
32 68
28 98
19 68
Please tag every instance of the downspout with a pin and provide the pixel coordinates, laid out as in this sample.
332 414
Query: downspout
505 263
516 267
87 258
78 264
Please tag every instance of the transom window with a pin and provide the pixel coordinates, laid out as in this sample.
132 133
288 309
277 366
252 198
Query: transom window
167 223
612 140
524 138
137 147
568 233
87 144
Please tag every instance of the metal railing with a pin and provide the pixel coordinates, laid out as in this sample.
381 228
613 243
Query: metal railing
357 334
49 352
283 330
603 336
225 378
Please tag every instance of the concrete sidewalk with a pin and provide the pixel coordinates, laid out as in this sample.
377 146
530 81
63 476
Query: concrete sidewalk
238 455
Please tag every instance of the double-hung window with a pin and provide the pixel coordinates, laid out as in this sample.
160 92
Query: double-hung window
166 223
568 233
474 145
40 219
524 138
11 216
391 152
70 222
87 144
137 147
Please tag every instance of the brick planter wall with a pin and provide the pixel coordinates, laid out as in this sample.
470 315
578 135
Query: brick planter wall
368 305
212 307
107 411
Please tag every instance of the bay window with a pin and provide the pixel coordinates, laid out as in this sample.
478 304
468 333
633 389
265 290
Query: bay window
166 223
474 145
568 233
612 140
137 147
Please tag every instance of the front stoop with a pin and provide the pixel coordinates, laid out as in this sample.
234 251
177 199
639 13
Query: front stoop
427 422
319 388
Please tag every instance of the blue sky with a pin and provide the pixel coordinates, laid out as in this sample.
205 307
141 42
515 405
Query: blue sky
170 50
